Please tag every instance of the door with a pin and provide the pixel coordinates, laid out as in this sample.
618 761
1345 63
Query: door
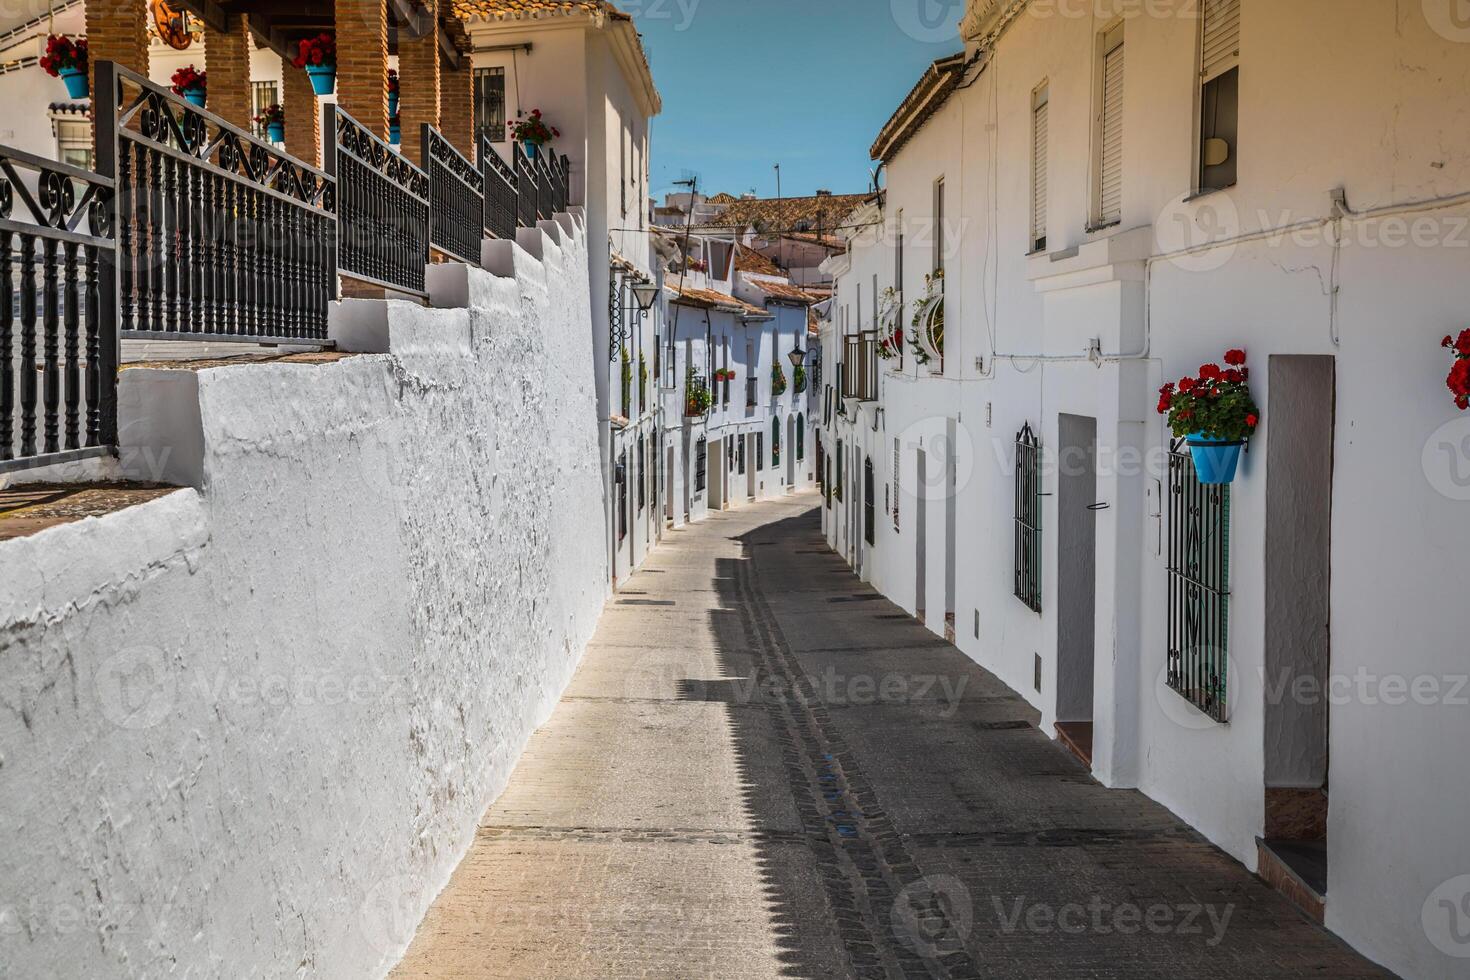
921 532
1077 509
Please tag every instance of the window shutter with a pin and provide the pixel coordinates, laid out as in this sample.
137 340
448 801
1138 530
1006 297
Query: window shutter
1110 174
897 459
1038 172
1221 46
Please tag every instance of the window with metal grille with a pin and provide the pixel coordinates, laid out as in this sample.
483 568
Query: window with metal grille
1110 130
827 485
760 450
1028 518
642 472
1199 586
1219 93
800 437
740 453
489 86
837 485
622 478
775 442
868 500
701 463
262 95
897 459
1039 114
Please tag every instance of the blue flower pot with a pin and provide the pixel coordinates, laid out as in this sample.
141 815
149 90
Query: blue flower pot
531 150
195 94
275 132
77 84
1214 459
323 78
395 134
392 103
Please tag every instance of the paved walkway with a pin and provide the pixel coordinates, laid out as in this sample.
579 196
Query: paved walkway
763 770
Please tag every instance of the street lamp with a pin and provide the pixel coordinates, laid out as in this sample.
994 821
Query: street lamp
645 293
797 355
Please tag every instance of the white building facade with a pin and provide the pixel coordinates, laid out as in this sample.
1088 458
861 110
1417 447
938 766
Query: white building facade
1115 199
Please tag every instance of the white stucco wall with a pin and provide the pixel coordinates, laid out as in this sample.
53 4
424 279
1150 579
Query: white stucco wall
249 728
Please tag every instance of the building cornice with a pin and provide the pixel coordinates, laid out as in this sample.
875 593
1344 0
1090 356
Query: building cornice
923 100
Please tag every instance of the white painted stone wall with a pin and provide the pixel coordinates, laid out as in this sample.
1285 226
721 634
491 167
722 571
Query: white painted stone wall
248 728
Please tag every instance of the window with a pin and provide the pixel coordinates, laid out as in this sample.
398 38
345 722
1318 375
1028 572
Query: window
760 450
623 167
701 463
775 442
489 84
837 486
800 436
262 94
868 500
1039 101
1108 207
1028 519
827 405
622 479
74 142
718 255
939 225
1199 586
898 314
643 472
897 460
740 453
827 485
1219 106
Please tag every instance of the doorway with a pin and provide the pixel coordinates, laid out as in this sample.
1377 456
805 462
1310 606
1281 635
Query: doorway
1298 532
1077 508
792 448
921 532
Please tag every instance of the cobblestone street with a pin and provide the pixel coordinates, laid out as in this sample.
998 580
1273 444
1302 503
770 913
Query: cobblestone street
764 769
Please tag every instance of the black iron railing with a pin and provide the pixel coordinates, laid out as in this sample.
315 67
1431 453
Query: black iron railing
501 203
1028 518
527 187
58 335
219 235
1199 586
456 198
382 204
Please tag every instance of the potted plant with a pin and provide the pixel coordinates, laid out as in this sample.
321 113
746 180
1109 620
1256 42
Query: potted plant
1458 380
272 120
392 91
927 336
697 396
533 132
778 380
318 55
798 378
890 336
191 83
67 59
395 133
696 265
1214 414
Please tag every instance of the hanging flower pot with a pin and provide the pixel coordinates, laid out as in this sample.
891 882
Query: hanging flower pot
1458 380
67 59
273 119
533 132
1214 414
191 83
318 55
275 132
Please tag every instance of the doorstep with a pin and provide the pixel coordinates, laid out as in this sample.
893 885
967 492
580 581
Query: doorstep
1077 736
1298 870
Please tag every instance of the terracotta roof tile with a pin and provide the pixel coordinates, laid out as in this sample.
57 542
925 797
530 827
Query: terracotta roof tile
783 290
517 9
749 260
792 214
710 299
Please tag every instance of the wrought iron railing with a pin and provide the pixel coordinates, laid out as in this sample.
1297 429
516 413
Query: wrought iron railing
58 335
219 234
1199 586
501 200
382 203
527 186
456 198
1028 518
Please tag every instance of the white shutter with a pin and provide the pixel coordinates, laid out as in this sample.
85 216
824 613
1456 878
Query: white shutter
1221 44
1110 170
1038 169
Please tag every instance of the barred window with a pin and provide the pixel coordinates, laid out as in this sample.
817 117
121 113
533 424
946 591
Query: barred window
622 480
897 461
800 437
643 472
868 534
1199 585
701 463
489 97
1028 519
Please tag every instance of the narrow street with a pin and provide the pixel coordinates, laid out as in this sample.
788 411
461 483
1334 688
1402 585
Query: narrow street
764 769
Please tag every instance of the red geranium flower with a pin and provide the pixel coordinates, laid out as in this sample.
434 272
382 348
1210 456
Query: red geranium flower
1209 372
1235 356
1251 421
1187 384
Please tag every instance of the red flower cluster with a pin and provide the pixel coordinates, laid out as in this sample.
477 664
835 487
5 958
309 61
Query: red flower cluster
533 129
1459 377
188 77
63 52
319 50
1217 402
393 79
272 113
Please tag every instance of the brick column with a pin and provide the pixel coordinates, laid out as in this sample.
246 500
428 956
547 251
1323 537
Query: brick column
117 30
362 62
457 107
303 115
227 59
418 84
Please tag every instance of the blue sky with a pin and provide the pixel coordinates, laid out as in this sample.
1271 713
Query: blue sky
748 84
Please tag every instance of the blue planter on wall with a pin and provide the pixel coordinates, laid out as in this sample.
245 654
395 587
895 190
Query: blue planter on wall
77 84
392 103
195 94
275 132
395 134
1215 460
323 78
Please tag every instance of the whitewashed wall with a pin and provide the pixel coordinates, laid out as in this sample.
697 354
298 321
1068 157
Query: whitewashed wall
249 727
